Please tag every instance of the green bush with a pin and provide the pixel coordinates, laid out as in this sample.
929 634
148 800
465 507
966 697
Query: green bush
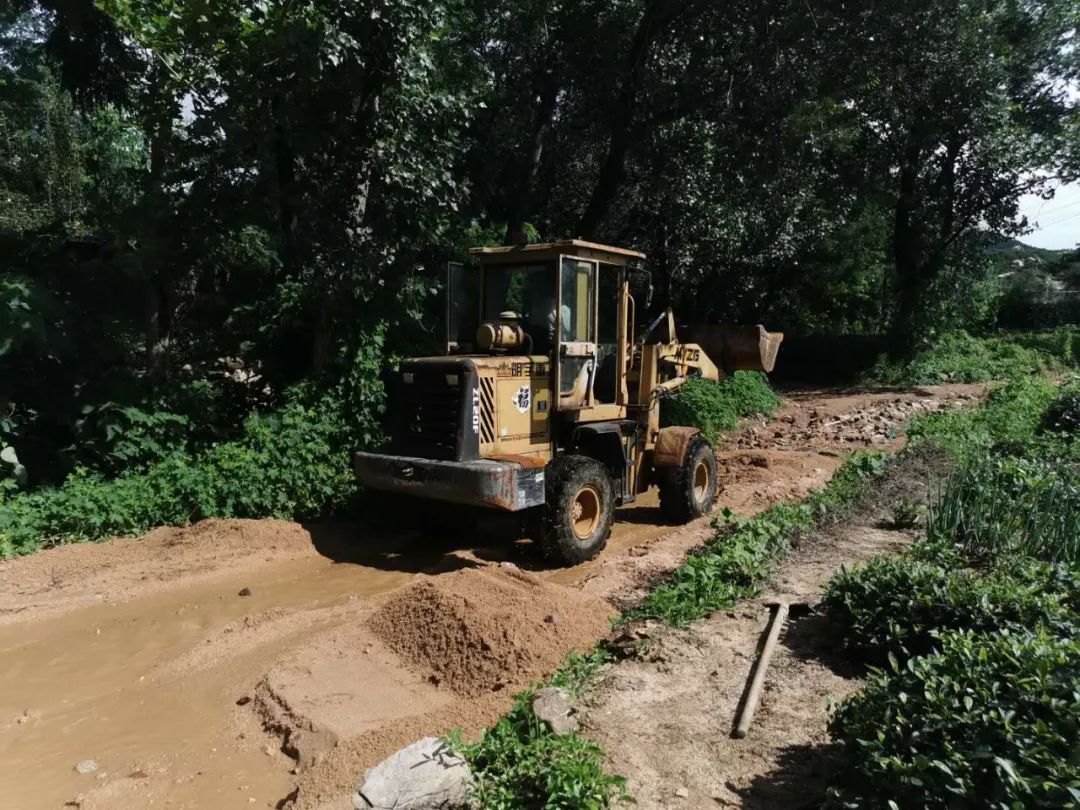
988 722
114 439
291 463
960 357
899 606
717 407
740 559
1062 344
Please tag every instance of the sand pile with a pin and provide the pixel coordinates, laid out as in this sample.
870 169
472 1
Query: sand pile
482 630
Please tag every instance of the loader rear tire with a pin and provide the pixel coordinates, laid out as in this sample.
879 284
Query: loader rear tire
578 510
689 490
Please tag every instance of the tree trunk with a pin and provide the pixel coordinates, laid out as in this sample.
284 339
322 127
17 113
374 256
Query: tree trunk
907 254
158 312
320 338
520 202
623 117
608 181
158 303
285 177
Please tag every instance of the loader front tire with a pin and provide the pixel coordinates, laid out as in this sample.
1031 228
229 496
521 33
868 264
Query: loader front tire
578 510
689 490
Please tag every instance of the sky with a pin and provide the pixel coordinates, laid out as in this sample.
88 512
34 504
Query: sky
1056 222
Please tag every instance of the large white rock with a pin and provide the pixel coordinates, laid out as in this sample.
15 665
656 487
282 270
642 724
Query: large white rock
425 776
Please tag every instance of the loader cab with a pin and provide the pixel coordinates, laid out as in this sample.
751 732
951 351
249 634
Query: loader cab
571 302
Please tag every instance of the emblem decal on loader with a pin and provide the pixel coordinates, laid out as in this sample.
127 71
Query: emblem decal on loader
523 399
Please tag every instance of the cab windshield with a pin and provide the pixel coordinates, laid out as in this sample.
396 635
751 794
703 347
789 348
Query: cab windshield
528 290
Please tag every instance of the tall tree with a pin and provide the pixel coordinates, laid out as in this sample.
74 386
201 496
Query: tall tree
964 107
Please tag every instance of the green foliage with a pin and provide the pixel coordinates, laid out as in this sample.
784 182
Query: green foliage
116 439
288 464
1011 506
519 764
717 407
898 607
978 625
1010 417
1062 343
960 357
23 311
741 557
986 722
907 514
579 670
1063 415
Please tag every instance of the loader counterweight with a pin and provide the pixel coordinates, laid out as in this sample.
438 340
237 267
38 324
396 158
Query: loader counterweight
503 485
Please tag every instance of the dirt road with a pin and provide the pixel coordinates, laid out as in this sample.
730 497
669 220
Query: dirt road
240 663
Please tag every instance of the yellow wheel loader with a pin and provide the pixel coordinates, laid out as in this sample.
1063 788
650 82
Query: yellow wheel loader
547 402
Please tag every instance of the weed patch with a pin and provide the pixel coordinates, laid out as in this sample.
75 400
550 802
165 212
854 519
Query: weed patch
519 763
1063 415
1010 417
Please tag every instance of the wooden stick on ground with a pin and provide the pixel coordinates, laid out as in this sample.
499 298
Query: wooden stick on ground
753 697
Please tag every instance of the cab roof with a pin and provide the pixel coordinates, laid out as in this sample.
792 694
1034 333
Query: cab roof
551 250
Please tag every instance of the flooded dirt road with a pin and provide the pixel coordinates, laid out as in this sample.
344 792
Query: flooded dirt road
231 663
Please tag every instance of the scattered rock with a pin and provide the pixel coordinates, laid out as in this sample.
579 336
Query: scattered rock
551 707
552 618
682 793
424 776
86 766
245 592
243 701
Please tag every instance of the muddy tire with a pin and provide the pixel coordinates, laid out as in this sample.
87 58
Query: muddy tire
689 491
579 508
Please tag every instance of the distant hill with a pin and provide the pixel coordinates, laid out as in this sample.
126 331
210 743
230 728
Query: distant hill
1009 256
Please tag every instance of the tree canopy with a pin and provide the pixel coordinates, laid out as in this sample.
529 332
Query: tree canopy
204 205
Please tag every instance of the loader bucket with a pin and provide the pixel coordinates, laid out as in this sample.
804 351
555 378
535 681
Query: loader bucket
739 348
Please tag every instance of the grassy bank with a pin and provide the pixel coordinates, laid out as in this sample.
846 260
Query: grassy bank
974 631
290 464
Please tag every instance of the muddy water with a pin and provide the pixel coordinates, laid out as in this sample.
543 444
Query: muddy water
147 687
118 683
